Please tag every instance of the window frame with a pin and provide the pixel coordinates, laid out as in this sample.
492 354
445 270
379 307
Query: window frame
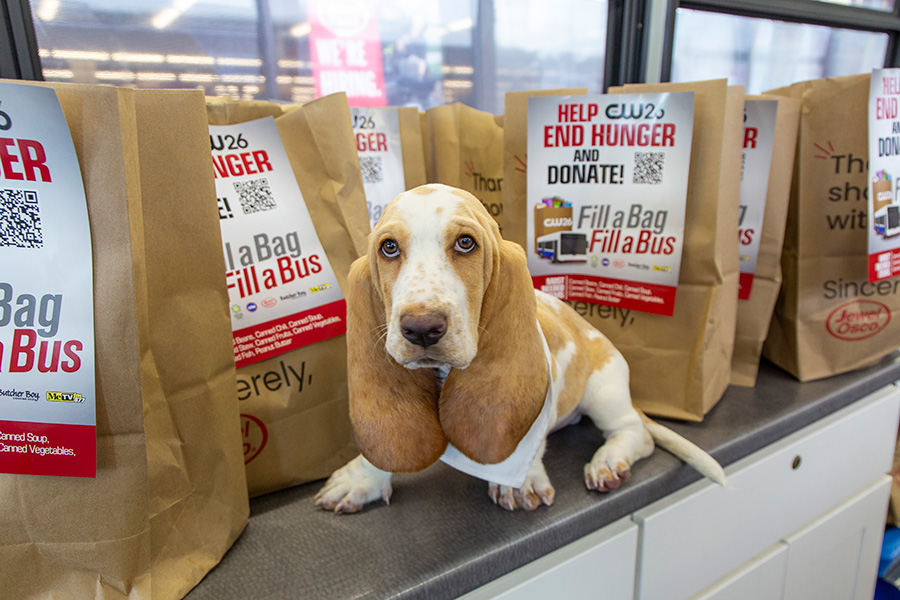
18 43
809 12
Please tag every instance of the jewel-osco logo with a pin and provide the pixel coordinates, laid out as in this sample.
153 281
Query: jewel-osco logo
255 436
858 320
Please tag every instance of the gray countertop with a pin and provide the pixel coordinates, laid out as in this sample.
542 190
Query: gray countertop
442 536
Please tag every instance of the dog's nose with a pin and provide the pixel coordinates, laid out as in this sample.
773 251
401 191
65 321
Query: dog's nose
423 330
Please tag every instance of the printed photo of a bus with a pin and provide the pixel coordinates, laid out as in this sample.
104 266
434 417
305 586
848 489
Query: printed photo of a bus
885 205
563 246
887 221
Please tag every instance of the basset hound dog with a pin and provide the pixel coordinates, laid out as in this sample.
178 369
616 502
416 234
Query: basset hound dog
453 355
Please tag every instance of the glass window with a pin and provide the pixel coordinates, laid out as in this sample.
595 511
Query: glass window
390 52
884 5
397 52
534 53
153 43
763 54
381 52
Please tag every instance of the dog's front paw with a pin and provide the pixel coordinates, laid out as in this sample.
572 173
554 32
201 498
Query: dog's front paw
353 486
535 491
606 472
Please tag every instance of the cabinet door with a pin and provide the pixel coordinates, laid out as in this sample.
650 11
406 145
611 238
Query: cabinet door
600 564
700 534
760 579
836 556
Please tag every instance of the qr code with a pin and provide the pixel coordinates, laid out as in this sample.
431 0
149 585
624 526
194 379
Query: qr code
372 169
255 195
20 220
648 167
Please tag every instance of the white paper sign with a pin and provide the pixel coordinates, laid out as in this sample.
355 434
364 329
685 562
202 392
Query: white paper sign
377 132
759 136
47 400
607 185
884 174
282 289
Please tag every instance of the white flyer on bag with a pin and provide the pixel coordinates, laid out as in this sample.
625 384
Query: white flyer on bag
377 132
282 289
759 137
884 174
607 187
47 394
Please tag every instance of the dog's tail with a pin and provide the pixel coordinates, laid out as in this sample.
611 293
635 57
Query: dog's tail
686 451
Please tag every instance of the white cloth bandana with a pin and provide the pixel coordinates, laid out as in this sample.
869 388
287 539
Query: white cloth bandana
513 470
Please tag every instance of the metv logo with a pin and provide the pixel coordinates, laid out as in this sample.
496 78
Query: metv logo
65 397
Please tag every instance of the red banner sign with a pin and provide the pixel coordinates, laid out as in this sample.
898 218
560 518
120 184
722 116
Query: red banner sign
644 297
345 46
48 449
272 338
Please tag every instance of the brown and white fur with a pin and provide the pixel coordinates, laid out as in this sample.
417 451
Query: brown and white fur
441 292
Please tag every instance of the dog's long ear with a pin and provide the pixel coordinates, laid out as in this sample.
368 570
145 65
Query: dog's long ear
393 409
486 408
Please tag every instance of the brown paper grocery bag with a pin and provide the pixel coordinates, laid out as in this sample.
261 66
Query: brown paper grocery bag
225 111
465 146
306 422
411 145
825 258
170 495
515 159
426 146
679 364
197 501
755 313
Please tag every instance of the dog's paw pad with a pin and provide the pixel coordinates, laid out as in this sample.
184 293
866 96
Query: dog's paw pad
530 496
547 495
600 477
348 490
339 506
343 500
529 500
503 496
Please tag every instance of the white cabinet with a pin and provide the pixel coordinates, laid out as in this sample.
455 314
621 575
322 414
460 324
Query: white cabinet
599 564
760 579
703 533
833 558
802 519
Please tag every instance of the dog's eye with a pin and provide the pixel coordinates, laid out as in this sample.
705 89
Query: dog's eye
464 243
390 249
